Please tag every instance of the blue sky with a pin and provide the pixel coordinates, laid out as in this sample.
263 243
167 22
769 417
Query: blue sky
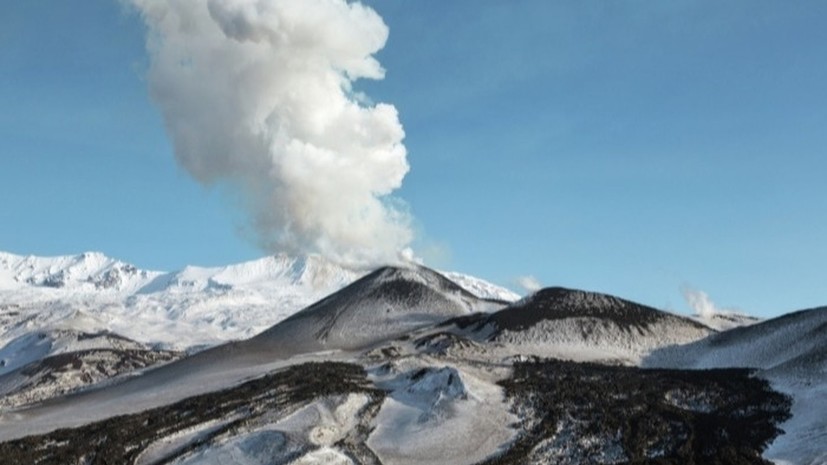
633 148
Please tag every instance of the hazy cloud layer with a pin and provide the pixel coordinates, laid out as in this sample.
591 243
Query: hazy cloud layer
258 95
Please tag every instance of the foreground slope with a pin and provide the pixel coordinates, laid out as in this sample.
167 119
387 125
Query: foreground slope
791 352
565 413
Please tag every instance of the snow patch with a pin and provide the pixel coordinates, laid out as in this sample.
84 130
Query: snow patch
445 416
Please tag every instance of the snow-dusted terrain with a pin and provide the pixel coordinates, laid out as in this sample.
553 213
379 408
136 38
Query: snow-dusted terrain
286 360
186 309
177 310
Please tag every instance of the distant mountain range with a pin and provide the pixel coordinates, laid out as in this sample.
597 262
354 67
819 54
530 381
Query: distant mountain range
297 360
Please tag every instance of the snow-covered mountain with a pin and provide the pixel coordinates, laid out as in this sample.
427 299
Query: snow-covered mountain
95 273
91 271
191 308
303 362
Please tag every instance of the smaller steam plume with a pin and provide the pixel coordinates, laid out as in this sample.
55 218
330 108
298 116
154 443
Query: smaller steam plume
529 283
703 306
259 95
699 302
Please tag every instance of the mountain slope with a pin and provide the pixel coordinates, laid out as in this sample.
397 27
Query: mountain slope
579 325
773 344
387 303
791 352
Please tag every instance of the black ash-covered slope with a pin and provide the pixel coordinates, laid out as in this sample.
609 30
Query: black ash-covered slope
558 303
385 304
569 413
71 372
584 413
791 352
45 364
568 323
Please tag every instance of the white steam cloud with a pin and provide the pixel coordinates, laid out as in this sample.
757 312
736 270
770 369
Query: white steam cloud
258 94
699 302
703 306
529 283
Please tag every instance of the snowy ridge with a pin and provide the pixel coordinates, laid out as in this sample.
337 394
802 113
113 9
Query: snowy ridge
191 308
71 372
94 273
480 288
306 272
90 271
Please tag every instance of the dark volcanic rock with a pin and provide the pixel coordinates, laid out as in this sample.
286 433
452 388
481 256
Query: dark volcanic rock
71 372
557 303
578 325
121 439
380 306
578 413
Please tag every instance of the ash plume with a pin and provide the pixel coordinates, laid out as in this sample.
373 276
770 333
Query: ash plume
258 95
